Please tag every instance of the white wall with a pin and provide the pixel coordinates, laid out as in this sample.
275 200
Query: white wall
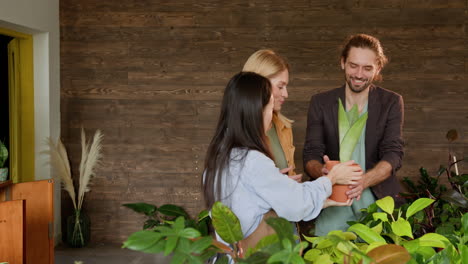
40 18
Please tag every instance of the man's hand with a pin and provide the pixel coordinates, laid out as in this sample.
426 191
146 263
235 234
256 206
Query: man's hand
324 168
356 190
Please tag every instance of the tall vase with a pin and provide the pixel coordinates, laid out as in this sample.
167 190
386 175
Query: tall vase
78 229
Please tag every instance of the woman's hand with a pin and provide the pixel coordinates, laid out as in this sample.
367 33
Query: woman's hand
347 173
330 202
297 177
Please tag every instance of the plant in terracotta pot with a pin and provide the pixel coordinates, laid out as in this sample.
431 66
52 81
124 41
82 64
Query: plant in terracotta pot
350 126
3 159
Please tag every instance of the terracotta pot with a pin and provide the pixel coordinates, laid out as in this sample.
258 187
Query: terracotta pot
338 190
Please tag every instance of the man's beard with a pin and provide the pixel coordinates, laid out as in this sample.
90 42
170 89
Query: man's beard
358 89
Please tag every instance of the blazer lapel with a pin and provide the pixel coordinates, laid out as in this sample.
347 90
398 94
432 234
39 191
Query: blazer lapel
373 113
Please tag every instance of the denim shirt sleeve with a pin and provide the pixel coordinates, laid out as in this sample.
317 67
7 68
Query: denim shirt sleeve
272 189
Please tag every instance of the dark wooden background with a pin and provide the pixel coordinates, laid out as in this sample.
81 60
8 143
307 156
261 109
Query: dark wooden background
150 74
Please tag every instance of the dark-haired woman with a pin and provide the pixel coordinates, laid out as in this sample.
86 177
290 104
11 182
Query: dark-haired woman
239 168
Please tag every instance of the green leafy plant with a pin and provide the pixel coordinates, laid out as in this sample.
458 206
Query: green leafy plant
3 154
393 226
443 216
350 127
167 213
189 245
371 242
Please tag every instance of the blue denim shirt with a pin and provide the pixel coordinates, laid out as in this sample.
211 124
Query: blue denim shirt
253 185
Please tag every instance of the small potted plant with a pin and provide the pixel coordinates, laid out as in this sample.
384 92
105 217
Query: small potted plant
350 127
3 159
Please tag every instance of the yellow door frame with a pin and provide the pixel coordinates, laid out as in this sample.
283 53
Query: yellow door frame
21 100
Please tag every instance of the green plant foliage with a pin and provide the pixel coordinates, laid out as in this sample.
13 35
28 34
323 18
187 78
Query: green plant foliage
3 154
282 227
386 240
401 227
418 205
144 208
349 129
386 204
226 223
173 210
366 233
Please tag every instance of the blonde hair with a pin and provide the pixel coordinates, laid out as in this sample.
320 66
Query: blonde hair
266 63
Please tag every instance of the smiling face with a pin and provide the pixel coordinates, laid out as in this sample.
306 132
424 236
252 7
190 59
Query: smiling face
360 69
279 83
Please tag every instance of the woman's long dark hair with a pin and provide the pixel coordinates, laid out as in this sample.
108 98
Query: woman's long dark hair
240 125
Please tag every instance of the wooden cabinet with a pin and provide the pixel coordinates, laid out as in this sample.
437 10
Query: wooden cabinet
26 223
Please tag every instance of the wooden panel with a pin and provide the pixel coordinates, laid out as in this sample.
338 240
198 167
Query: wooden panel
12 220
151 73
38 196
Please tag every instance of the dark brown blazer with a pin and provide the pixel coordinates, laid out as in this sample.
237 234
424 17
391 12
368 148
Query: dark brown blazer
383 132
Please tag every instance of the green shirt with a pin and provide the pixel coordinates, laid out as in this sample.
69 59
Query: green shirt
276 149
335 218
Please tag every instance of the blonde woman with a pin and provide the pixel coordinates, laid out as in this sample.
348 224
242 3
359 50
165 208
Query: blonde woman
275 67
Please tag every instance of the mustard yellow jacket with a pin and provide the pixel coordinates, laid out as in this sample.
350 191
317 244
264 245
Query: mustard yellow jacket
285 137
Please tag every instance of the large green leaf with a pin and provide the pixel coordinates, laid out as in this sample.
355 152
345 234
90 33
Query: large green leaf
203 215
463 252
464 222
386 204
380 216
226 223
401 227
263 243
142 240
201 244
312 254
282 227
418 205
353 114
366 233
257 258
171 243
189 233
144 208
343 123
433 240
390 254
351 138
172 210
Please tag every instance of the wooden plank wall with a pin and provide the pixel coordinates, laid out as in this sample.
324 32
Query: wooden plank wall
150 74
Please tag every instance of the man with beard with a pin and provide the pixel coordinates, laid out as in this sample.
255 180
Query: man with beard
379 150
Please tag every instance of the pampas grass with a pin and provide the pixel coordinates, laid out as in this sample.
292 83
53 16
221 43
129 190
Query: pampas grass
90 159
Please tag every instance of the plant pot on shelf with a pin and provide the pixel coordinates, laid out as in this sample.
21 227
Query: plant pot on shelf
338 190
78 229
3 174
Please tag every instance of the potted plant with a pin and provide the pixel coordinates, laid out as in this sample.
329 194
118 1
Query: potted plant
3 159
350 126
78 224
